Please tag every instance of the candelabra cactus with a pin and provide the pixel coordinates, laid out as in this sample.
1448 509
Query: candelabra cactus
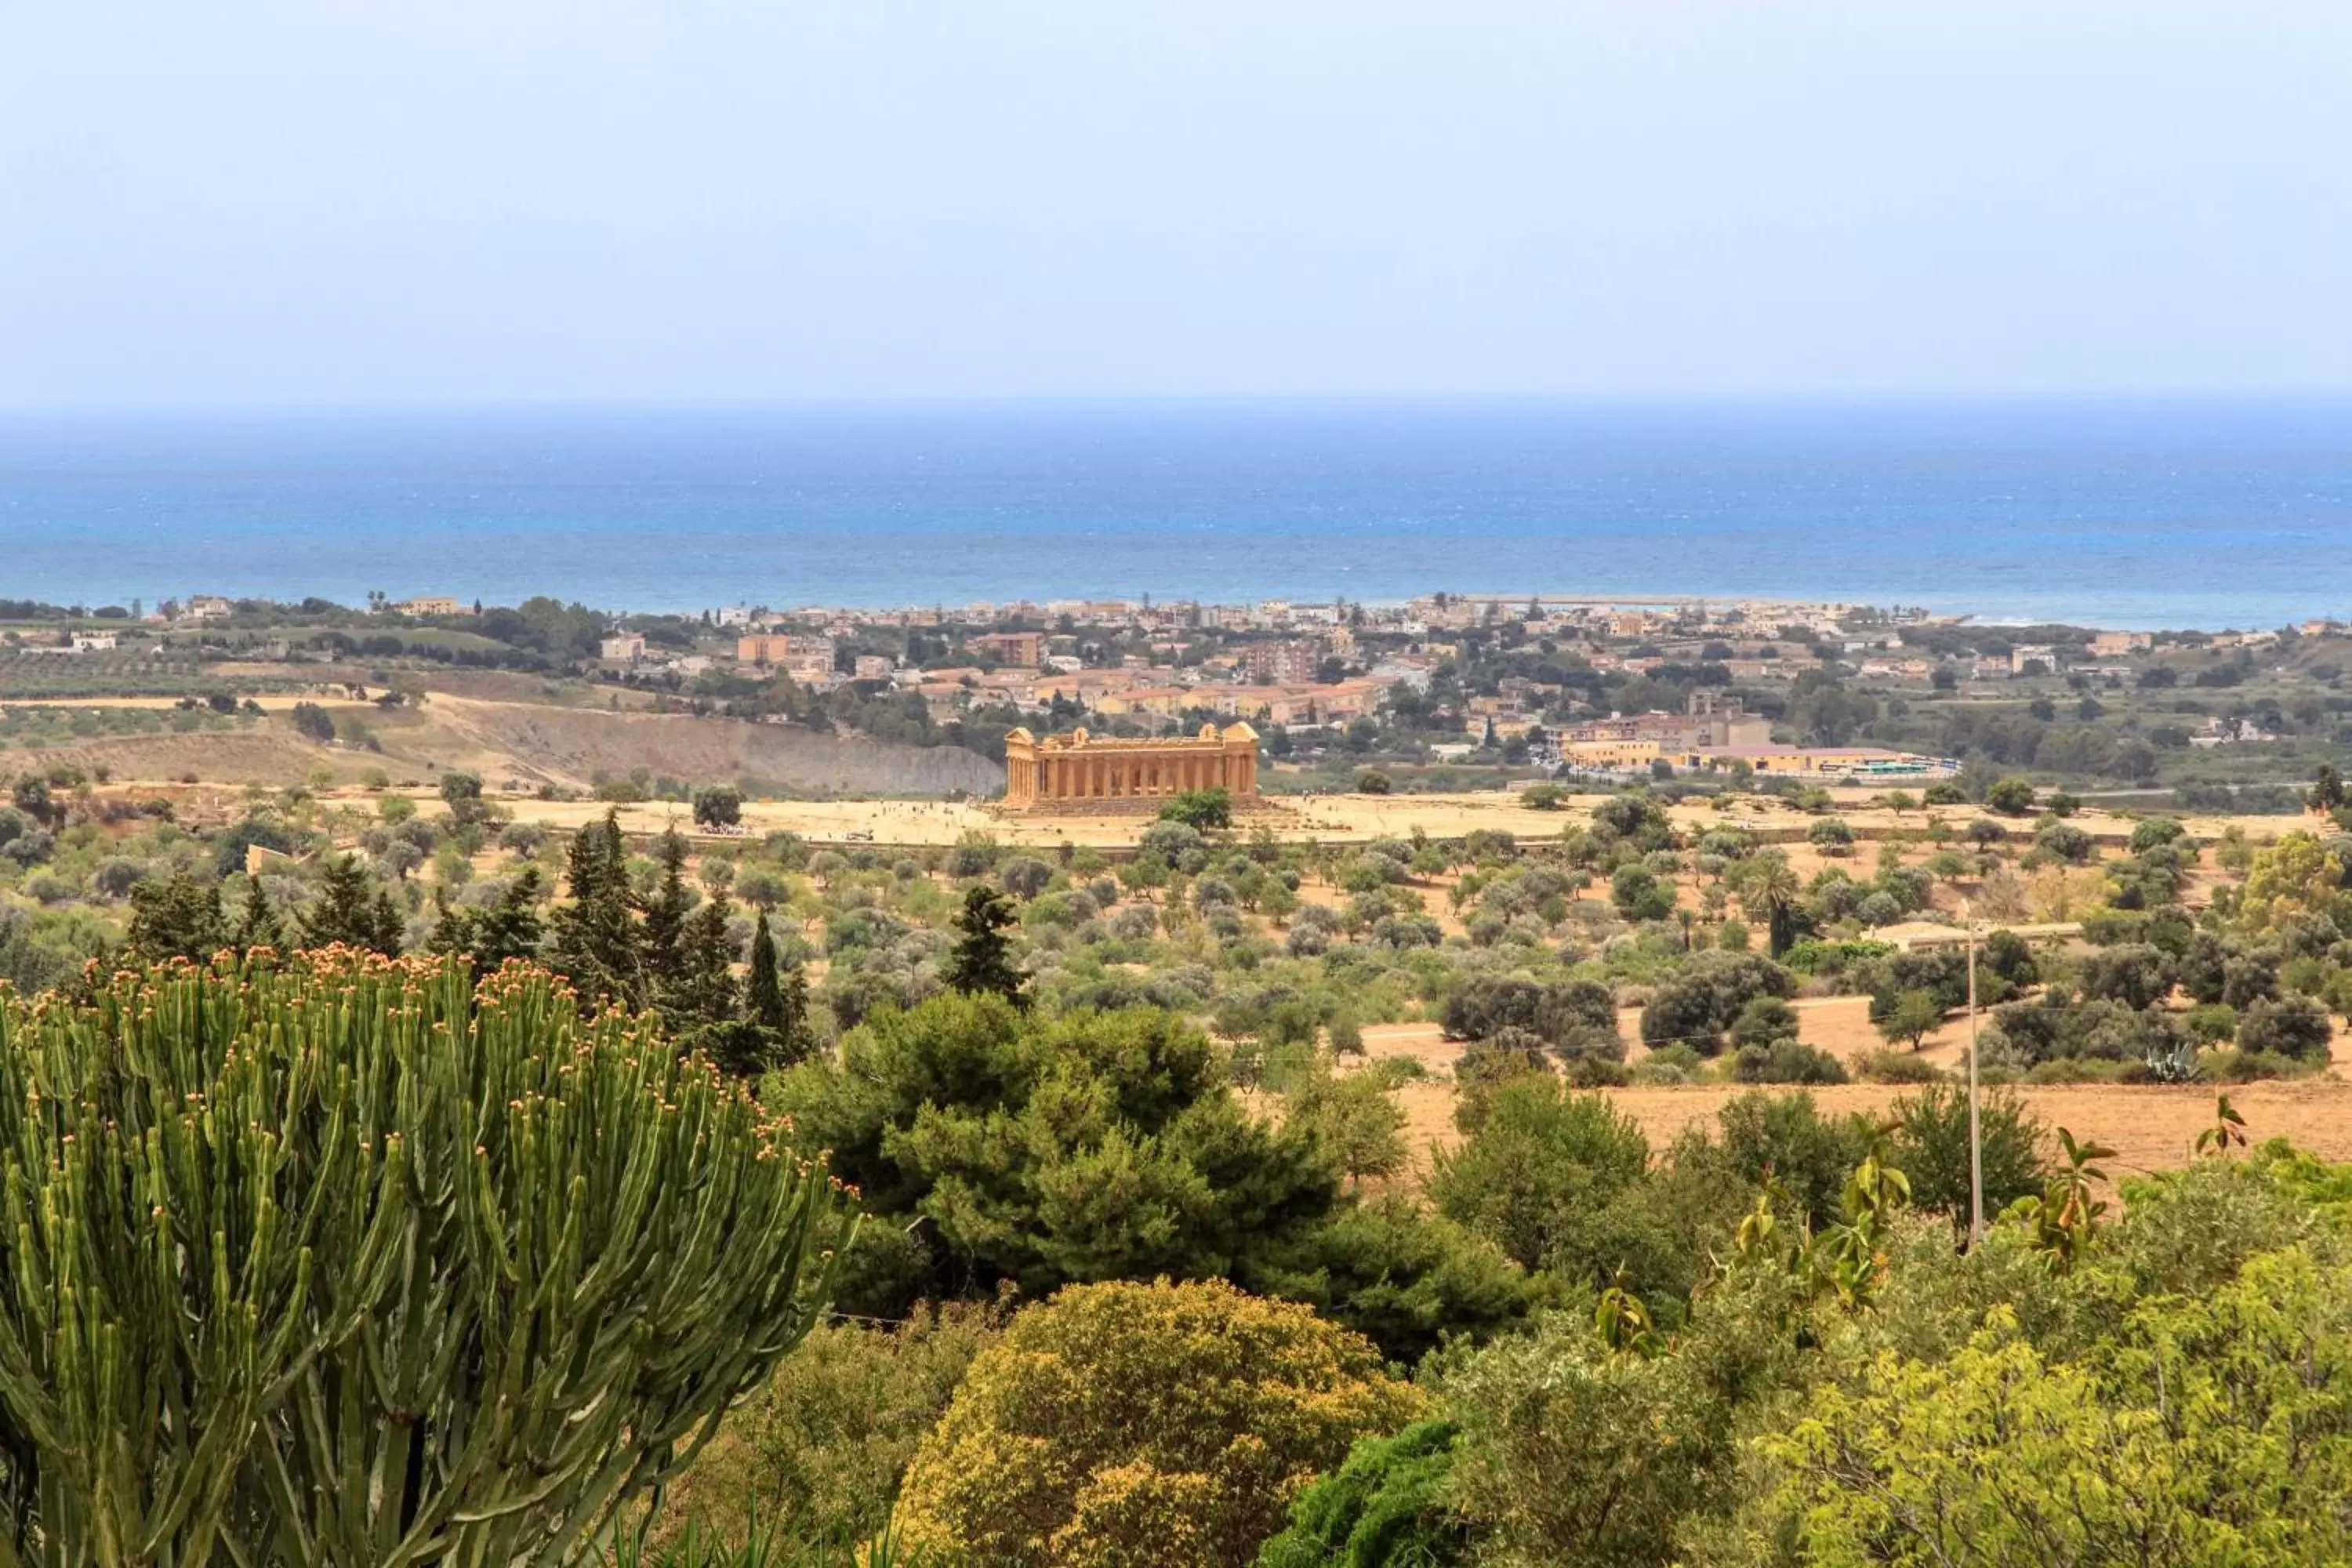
343 1261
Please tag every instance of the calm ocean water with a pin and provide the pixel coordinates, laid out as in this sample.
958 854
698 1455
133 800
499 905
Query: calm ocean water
2173 514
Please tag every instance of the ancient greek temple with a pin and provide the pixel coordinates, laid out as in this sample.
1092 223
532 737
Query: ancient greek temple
1083 772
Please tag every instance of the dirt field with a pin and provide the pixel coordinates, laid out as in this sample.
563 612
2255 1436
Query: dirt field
1331 819
2150 1127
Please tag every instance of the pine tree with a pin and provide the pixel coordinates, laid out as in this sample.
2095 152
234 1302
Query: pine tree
510 929
258 926
983 958
176 917
345 911
594 943
705 1010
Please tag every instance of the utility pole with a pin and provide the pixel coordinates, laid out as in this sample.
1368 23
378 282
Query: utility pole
1976 1137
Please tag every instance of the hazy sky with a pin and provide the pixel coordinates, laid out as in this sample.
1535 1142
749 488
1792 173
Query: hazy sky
328 201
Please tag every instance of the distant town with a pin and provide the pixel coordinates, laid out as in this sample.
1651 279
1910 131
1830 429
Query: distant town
1538 686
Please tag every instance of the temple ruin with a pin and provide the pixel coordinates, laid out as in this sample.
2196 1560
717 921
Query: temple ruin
1078 772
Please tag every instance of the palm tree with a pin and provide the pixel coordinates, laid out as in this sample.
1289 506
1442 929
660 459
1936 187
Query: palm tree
1769 892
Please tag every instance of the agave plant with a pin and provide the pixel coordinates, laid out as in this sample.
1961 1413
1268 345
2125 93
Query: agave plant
345 1261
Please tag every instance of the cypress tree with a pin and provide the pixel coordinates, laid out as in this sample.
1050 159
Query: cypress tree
667 964
763 997
776 1002
390 925
982 960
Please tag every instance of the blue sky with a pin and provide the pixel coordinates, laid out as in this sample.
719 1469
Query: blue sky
327 201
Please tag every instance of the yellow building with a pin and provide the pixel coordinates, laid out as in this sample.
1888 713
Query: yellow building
757 647
1081 772
1605 756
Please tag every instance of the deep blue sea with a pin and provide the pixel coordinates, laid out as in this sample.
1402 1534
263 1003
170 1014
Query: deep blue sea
2145 514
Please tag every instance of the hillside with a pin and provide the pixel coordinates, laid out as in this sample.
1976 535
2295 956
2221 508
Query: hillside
534 743
575 746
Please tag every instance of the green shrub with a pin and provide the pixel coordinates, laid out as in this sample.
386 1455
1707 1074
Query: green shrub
1786 1061
1388 1507
2228 1065
817 1453
1557 1180
1132 1424
1931 1147
2294 1027
2166 1436
1200 808
1784 1136
1572 1452
1895 1066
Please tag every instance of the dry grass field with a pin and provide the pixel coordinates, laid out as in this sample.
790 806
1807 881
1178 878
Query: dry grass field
2150 1127
1329 819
